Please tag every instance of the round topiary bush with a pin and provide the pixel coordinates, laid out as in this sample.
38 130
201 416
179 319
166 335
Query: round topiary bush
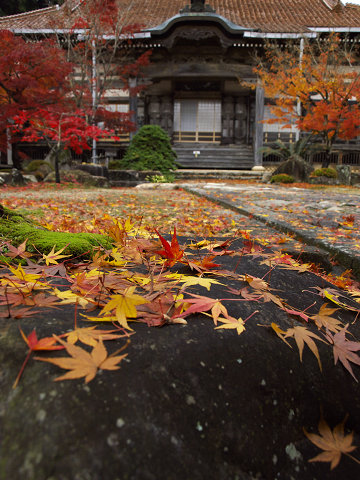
325 172
282 178
150 149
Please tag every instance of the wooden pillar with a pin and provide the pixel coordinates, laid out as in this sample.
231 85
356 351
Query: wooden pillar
227 111
167 114
259 128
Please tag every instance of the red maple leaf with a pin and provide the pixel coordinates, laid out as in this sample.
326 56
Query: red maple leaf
171 251
35 344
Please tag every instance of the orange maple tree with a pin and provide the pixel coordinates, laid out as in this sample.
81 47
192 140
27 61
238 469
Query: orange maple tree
322 79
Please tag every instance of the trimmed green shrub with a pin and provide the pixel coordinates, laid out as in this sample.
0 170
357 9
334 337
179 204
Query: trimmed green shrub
282 178
150 149
115 164
325 172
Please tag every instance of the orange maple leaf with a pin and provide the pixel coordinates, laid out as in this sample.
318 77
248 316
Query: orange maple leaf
332 442
82 363
302 335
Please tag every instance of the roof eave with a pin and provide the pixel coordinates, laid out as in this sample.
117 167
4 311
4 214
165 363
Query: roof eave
196 17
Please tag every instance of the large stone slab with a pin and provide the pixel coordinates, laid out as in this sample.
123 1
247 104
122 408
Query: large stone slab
189 402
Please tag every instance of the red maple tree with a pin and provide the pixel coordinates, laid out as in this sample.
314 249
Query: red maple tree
36 97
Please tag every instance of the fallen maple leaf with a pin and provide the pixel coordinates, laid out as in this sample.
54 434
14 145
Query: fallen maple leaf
302 335
256 283
344 349
124 305
82 363
201 304
90 336
232 322
323 319
171 252
333 442
204 264
19 251
280 333
189 280
53 256
35 344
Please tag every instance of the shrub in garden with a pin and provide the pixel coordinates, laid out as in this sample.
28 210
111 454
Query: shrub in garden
150 149
282 178
325 172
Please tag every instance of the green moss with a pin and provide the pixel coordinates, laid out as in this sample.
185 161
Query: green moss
282 178
325 172
17 229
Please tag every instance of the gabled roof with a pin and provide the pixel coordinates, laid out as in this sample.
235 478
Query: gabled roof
282 16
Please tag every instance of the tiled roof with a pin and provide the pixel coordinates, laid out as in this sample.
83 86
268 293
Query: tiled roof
262 15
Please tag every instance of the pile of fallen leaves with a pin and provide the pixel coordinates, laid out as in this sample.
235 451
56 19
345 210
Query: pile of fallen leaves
146 278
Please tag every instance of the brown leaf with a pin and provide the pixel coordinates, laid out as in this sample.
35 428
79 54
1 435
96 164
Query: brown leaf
344 349
333 443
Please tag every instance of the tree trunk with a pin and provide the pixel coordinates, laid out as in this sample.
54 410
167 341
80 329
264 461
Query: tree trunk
57 170
327 159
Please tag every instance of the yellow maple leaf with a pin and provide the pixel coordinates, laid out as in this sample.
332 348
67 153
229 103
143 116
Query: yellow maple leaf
68 296
22 275
124 305
189 280
232 322
53 256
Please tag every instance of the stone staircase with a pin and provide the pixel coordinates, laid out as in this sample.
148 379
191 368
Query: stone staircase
204 175
213 157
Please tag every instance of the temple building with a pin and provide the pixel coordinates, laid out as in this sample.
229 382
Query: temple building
201 70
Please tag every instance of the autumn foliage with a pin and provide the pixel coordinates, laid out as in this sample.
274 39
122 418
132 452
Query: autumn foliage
322 79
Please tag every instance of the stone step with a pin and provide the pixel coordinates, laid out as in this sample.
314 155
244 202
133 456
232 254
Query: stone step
214 156
216 163
195 174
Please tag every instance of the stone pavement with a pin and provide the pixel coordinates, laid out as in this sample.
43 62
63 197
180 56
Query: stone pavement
327 218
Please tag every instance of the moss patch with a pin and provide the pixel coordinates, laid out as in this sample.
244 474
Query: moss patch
17 228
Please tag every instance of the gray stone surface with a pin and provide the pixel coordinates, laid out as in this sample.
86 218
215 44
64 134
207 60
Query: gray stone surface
190 402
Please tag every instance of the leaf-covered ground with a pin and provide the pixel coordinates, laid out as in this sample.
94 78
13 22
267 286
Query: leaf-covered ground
153 278
76 209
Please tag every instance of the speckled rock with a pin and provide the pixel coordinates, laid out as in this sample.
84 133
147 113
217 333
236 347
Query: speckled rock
189 402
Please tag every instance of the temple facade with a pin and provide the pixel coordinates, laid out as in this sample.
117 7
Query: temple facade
201 87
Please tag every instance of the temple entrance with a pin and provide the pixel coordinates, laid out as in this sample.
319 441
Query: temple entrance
197 120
